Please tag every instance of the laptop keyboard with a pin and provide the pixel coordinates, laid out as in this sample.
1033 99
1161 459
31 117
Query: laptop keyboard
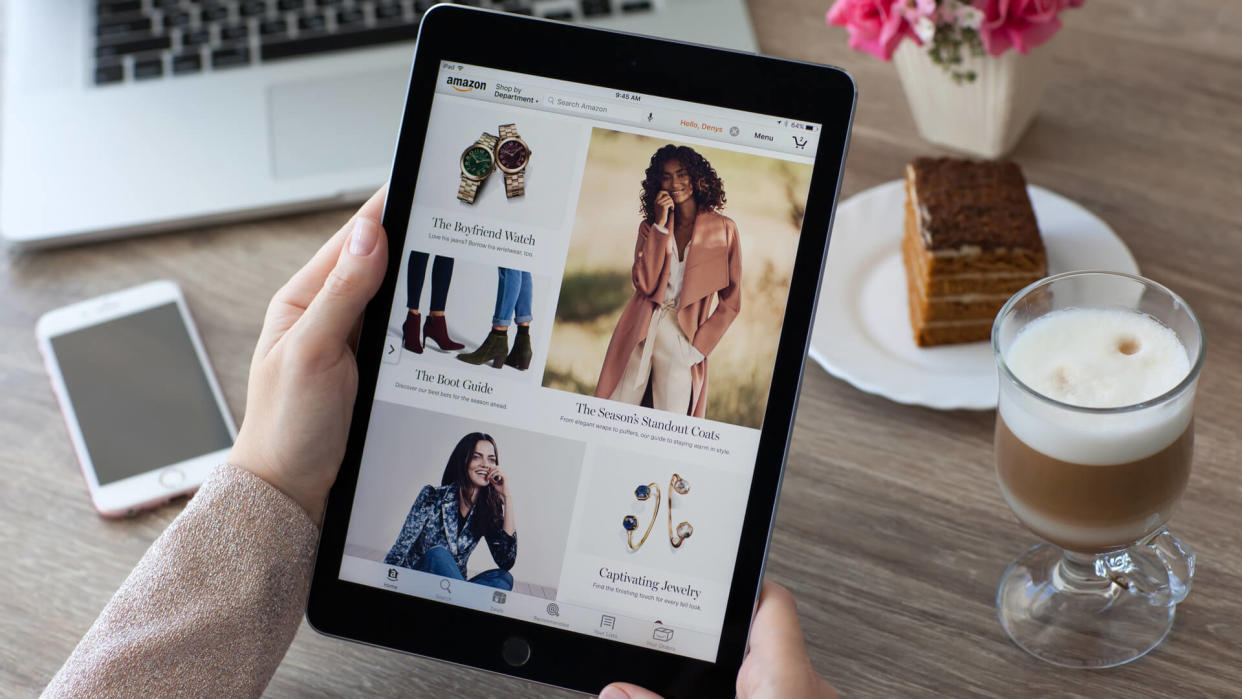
147 39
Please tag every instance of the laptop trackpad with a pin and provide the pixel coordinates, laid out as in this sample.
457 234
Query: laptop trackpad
335 124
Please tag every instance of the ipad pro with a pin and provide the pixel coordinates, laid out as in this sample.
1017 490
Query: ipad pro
578 381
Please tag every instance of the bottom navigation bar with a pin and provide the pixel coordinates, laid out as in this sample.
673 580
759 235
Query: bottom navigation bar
651 633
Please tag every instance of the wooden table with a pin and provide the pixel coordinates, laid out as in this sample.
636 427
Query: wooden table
891 532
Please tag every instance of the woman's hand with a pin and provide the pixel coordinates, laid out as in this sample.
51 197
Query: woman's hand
497 479
303 379
664 201
777 666
501 485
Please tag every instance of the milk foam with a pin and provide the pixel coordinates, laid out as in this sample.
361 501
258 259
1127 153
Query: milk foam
1097 358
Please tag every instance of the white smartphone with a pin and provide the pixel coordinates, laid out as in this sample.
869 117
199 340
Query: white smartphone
145 414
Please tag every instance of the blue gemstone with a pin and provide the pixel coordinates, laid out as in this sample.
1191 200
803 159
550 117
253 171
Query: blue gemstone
642 492
630 523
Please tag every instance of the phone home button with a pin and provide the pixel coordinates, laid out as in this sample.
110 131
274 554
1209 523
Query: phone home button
172 478
515 651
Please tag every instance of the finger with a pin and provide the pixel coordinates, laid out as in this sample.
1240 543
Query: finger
291 300
625 690
287 304
359 270
776 631
306 282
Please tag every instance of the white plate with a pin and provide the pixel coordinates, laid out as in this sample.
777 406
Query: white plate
862 327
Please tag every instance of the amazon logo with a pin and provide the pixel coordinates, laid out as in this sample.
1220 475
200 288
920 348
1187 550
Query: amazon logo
464 85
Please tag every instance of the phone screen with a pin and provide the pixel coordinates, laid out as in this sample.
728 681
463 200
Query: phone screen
139 393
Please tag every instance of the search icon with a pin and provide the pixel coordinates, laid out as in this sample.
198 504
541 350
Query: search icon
444 585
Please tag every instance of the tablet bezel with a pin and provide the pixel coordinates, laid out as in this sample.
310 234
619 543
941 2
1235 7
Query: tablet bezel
799 91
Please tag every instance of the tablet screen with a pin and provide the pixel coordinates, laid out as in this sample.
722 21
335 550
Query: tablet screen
579 356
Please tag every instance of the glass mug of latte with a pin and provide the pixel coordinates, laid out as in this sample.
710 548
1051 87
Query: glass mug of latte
1094 436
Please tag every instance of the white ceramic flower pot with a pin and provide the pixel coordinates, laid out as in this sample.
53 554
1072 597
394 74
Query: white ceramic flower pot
985 117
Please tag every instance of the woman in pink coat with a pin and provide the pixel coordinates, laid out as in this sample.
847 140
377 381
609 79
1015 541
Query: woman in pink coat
686 257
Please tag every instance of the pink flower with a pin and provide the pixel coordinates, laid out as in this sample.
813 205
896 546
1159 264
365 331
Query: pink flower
875 26
1022 24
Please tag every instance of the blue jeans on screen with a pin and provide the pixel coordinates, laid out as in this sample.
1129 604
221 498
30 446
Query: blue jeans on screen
513 295
438 561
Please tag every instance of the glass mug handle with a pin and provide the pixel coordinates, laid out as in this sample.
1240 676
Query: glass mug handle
1160 567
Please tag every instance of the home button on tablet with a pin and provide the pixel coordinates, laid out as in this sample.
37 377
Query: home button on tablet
172 478
515 651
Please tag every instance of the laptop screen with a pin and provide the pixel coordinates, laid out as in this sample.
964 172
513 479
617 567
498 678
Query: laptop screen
579 356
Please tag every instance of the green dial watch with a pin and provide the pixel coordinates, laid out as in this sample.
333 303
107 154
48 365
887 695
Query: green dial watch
477 162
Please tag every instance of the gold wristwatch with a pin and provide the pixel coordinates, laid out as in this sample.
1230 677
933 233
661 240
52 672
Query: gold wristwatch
477 162
512 155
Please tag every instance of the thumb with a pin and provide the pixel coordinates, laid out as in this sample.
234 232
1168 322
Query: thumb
776 632
625 690
354 279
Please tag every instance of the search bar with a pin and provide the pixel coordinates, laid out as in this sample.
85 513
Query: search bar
592 107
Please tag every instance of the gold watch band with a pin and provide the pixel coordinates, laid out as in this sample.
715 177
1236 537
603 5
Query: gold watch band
468 189
515 184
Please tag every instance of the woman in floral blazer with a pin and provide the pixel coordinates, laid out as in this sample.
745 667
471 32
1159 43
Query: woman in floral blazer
446 523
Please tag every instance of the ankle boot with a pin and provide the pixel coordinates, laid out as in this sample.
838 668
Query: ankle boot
409 334
436 330
493 350
519 356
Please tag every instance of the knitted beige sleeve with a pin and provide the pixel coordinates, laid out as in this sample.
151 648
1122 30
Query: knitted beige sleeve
212 606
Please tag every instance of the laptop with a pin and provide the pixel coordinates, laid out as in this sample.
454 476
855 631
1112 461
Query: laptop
124 117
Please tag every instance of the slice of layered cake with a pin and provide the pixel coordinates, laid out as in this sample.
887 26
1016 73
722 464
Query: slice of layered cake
971 241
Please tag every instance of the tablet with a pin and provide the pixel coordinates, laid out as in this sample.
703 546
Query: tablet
578 380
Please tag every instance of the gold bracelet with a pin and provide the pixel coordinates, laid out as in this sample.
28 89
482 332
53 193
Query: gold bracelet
630 522
684 529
